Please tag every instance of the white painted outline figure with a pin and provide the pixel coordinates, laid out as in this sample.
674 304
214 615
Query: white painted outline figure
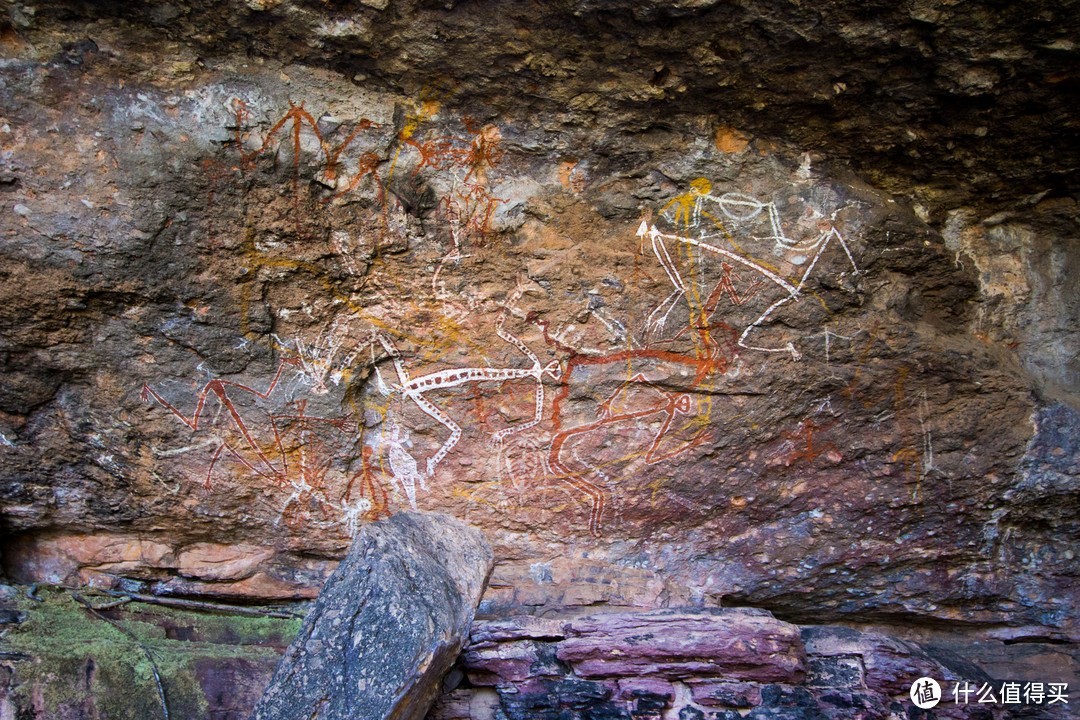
416 388
731 204
402 464
739 207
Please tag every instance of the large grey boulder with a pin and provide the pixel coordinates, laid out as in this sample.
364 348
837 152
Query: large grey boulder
387 625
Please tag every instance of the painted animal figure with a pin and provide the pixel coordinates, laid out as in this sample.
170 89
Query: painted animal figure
416 389
665 404
791 289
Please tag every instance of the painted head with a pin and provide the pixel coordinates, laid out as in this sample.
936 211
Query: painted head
701 186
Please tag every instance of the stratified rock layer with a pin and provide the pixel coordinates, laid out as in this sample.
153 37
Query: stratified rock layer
739 645
387 625
714 665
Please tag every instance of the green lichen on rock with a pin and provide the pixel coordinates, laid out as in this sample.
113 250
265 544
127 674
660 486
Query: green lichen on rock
83 666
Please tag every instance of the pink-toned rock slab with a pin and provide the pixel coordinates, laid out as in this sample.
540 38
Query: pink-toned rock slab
504 662
573 581
735 644
519 627
513 649
711 693
630 688
219 562
260 585
72 557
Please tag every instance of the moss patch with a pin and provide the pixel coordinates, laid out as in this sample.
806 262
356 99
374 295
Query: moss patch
211 665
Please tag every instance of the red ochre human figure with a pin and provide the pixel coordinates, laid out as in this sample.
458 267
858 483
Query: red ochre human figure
299 117
266 468
669 405
811 451
484 153
257 460
367 164
440 153
700 323
479 210
370 488
727 287
332 157
712 359
437 153
915 461
297 114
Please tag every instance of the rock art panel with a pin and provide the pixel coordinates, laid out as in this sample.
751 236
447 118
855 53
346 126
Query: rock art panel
294 308
709 345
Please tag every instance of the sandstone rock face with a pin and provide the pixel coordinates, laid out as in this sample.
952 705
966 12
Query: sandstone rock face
683 303
221 570
711 665
715 374
387 625
736 645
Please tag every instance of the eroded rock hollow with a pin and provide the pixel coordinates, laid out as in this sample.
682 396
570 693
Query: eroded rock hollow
685 304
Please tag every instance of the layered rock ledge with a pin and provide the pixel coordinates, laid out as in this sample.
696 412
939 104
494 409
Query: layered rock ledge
719 664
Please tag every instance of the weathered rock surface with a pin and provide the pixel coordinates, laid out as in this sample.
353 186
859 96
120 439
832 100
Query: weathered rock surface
737 645
713 665
256 354
682 302
237 570
387 625
59 661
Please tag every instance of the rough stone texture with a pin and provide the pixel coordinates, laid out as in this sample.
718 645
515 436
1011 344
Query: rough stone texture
271 270
387 625
209 569
60 662
748 664
739 645
687 449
